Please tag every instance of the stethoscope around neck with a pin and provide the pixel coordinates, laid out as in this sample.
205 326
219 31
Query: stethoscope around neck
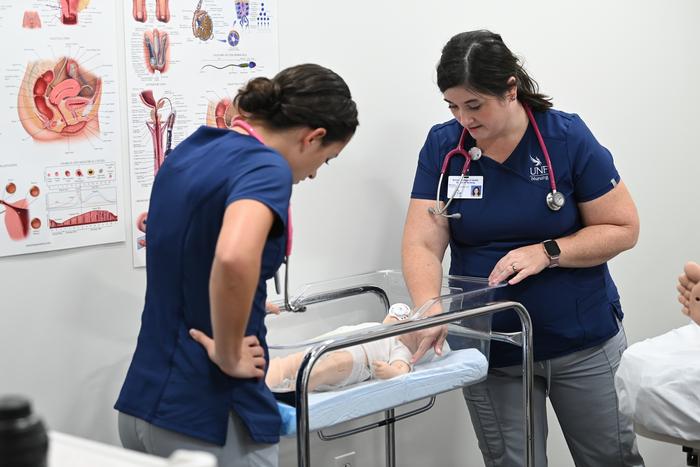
242 124
554 199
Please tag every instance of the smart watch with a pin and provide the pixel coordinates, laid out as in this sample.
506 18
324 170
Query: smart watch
552 251
400 311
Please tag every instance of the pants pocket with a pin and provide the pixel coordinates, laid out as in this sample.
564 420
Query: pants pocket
485 423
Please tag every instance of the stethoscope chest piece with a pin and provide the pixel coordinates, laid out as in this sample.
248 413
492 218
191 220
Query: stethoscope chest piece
475 153
555 200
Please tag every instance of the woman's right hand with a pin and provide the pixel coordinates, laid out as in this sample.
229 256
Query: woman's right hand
250 362
419 342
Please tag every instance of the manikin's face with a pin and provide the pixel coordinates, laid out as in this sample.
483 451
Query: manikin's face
311 156
484 116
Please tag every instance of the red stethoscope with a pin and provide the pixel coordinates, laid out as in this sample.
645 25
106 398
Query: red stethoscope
245 126
555 200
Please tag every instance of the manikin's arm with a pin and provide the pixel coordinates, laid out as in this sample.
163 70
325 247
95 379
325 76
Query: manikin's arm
384 370
398 360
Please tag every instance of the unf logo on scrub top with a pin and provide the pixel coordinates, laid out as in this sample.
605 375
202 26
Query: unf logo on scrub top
538 171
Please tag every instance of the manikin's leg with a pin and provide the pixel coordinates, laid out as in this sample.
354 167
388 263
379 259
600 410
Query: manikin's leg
332 369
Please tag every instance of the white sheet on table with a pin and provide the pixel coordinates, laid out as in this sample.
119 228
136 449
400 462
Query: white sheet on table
458 368
657 383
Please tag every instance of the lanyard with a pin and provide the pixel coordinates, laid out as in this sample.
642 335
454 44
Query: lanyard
242 124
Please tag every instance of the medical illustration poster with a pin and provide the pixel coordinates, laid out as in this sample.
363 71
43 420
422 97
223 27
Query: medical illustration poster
186 59
60 163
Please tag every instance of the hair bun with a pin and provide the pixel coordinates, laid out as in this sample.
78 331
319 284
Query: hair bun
306 95
261 96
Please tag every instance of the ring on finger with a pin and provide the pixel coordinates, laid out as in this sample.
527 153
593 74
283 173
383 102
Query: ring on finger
513 267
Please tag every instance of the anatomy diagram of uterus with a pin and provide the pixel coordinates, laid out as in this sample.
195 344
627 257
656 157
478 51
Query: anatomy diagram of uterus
160 125
70 10
18 221
156 50
58 100
220 114
162 11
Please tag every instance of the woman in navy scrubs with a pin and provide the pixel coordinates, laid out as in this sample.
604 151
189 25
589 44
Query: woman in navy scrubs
555 261
217 231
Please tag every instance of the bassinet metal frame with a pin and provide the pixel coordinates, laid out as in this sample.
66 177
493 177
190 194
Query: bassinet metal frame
522 339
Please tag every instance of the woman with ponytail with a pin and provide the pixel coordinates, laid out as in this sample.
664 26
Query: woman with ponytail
217 231
553 256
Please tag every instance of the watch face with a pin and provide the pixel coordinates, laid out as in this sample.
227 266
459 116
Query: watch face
551 247
400 310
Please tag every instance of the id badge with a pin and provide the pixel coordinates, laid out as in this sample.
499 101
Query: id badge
471 187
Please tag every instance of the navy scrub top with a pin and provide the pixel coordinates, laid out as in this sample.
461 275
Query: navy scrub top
571 308
171 382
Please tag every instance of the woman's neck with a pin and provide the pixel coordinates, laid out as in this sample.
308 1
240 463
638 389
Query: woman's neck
283 141
500 147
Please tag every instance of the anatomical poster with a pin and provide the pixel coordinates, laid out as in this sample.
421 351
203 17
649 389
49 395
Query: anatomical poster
60 168
186 59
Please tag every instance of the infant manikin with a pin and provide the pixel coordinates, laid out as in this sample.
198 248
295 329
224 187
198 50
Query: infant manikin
381 359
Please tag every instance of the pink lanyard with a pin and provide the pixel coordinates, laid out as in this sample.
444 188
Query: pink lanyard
242 124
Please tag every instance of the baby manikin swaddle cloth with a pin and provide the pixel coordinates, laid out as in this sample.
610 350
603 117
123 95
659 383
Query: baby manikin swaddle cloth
658 383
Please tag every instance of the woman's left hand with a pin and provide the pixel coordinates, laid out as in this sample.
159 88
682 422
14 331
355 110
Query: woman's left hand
520 263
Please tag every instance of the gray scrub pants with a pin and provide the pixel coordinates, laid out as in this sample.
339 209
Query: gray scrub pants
581 390
239 450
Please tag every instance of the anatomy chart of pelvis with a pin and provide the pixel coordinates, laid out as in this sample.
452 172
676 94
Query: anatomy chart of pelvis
60 167
186 59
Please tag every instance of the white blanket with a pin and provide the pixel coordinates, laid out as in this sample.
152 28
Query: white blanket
658 383
457 369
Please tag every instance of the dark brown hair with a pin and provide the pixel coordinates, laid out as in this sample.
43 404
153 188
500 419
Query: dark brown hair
303 95
480 61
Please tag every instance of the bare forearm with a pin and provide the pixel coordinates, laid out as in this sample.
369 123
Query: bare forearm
611 227
422 271
232 288
595 244
425 239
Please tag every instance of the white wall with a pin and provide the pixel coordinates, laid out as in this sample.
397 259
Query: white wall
68 320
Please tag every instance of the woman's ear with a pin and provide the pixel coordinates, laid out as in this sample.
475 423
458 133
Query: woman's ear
314 135
512 92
